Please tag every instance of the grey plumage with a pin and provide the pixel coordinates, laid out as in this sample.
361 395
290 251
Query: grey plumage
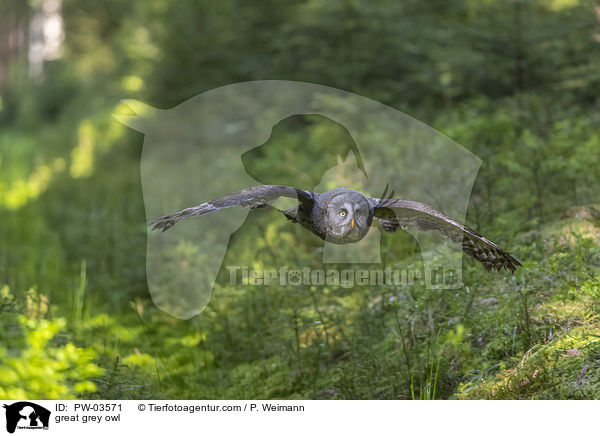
393 214
255 197
344 216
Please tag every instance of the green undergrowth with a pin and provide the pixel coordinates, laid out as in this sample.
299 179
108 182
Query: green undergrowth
37 356
530 335
564 329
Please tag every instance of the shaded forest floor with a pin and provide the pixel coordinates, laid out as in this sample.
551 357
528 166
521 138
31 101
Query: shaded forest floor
532 335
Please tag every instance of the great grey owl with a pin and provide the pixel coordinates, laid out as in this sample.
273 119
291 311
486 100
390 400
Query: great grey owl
344 216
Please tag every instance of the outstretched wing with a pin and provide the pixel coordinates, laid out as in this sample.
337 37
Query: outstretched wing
394 213
255 197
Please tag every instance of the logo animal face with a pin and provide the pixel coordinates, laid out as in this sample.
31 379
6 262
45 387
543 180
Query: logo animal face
26 414
192 153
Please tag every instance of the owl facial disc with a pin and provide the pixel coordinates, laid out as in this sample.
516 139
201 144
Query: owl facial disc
347 216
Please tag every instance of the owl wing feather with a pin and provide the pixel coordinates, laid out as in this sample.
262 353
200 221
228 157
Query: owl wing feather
394 213
254 197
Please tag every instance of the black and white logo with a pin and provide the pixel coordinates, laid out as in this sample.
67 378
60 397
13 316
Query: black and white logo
26 415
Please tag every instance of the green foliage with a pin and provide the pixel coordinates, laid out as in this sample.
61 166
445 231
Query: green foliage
514 82
565 368
34 363
563 327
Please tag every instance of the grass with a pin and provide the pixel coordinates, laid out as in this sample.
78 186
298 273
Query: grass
484 340
418 345
531 335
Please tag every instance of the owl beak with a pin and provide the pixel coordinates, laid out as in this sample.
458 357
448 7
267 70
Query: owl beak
352 223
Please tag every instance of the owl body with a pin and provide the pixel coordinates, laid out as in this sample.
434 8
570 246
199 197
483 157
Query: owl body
343 216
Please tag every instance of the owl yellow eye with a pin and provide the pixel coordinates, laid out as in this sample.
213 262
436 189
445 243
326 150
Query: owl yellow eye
342 213
357 214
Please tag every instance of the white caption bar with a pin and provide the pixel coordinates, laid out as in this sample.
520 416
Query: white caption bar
154 417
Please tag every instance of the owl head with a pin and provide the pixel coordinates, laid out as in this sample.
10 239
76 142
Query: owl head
347 216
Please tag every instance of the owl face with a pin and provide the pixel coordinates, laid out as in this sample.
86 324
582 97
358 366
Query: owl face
347 217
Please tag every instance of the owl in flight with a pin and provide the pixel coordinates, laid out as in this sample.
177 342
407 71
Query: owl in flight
343 216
